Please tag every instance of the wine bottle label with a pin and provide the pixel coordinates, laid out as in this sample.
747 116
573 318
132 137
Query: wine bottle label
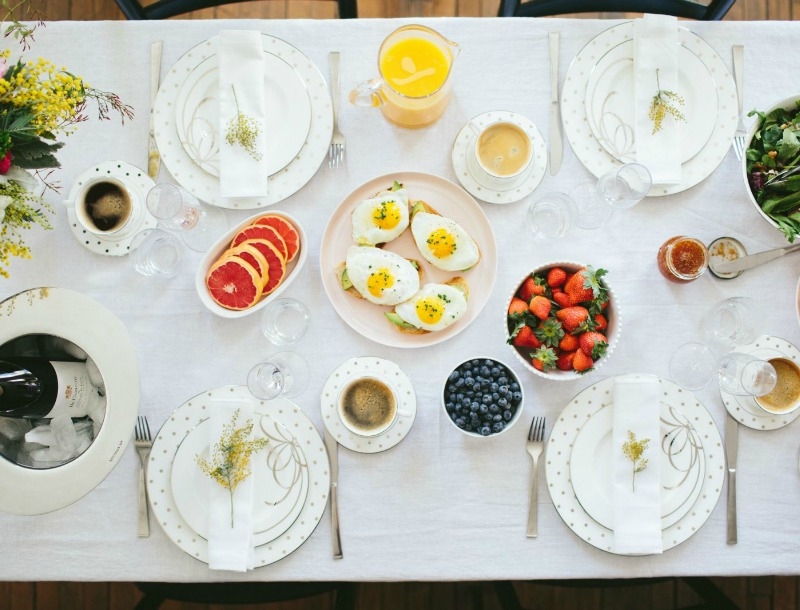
74 390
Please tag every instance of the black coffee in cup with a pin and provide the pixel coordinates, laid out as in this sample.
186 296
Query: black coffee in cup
367 406
107 206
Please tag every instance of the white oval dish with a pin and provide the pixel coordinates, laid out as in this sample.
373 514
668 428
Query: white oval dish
612 332
292 268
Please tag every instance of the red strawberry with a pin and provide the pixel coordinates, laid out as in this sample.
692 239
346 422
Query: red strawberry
585 285
581 362
517 306
569 343
572 317
549 332
593 344
544 359
540 307
526 338
562 298
564 361
600 322
556 277
530 287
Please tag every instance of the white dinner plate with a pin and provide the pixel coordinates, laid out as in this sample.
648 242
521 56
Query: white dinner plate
378 368
610 98
287 117
184 420
682 466
283 184
744 408
559 452
597 159
280 479
449 200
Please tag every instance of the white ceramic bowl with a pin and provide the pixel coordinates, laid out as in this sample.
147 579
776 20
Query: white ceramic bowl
788 103
512 378
292 269
611 313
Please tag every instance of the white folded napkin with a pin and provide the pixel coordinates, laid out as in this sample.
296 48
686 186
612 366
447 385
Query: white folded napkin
241 69
655 47
637 498
229 548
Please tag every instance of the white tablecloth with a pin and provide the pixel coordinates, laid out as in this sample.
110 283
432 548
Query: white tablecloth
439 505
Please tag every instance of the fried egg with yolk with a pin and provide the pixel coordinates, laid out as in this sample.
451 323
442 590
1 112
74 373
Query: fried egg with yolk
381 276
443 242
434 307
380 219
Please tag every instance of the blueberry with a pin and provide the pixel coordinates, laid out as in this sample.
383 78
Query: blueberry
502 402
449 407
517 396
454 416
475 362
485 370
485 431
514 386
474 407
502 380
454 375
497 418
498 426
476 387
486 399
507 415
467 427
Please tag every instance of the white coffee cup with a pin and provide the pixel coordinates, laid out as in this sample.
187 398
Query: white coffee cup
368 406
785 396
104 205
501 153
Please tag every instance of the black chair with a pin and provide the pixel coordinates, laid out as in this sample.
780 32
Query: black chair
224 593
162 9
713 598
713 11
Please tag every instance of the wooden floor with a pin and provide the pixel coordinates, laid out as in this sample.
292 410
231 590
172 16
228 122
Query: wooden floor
762 593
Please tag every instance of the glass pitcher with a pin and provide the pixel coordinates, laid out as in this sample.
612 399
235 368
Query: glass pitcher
414 63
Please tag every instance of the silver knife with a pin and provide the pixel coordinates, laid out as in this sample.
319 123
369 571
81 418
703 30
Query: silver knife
333 456
731 449
556 143
753 260
153 158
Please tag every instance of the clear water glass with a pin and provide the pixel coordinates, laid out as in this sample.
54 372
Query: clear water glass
692 366
552 216
731 322
155 252
745 375
200 225
625 186
282 374
285 321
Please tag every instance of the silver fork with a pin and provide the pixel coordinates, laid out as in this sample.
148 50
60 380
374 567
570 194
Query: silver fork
143 442
738 73
336 150
535 447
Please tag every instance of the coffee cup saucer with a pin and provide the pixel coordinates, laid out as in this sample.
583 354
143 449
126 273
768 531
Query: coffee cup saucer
378 368
138 183
518 188
744 409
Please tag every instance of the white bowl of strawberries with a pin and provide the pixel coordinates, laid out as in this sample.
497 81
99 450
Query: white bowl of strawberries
562 320
251 264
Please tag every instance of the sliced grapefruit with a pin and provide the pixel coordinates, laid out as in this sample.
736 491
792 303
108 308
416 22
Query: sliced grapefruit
285 229
267 232
252 256
277 264
234 283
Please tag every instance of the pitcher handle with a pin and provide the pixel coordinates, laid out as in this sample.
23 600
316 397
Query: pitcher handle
367 94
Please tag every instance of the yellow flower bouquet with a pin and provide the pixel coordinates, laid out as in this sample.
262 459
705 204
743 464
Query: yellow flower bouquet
38 102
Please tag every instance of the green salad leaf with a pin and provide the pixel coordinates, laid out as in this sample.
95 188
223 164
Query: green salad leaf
773 167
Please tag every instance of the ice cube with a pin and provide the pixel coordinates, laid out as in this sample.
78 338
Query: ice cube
13 429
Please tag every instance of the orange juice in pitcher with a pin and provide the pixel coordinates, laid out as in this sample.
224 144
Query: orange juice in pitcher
413 89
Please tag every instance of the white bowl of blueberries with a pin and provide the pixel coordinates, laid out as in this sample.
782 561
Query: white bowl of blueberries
482 397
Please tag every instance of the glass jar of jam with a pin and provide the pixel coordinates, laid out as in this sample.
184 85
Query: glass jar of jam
682 259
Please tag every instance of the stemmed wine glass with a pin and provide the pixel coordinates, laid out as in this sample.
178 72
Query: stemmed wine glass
621 188
282 374
200 225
